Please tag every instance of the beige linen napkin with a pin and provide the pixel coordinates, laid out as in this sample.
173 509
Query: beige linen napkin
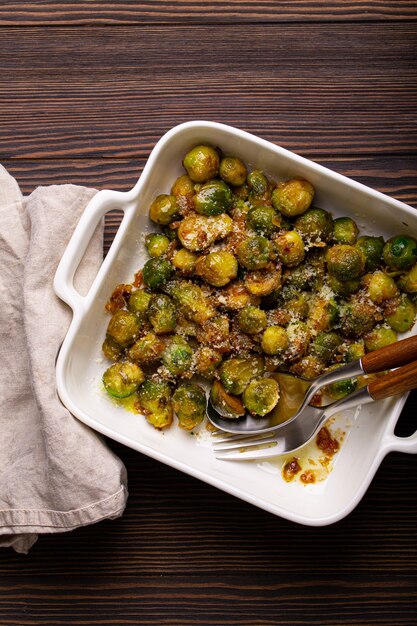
55 473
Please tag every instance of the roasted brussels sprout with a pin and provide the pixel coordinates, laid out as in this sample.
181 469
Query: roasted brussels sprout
236 296
293 197
161 314
263 219
192 302
257 182
290 248
325 345
233 171
323 314
155 401
225 403
184 261
236 373
379 337
299 338
206 360
252 320
177 356
189 402
309 367
111 350
295 308
400 252
156 272
198 232
217 268
120 380
254 252
341 388
345 262
147 349
202 163
408 282
359 316
345 230
402 318
343 288
306 276
183 186
139 302
354 351
157 244
242 192
164 209
214 198
274 340
372 248
263 282
123 328
315 224
380 287
261 396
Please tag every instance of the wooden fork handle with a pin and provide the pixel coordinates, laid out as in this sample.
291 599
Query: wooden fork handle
394 355
394 383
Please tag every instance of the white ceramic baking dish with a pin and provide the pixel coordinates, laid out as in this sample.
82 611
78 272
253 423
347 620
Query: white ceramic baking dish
80 365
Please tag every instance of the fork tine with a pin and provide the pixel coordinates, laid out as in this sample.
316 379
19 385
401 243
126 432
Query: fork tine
241 437
244 443
248 455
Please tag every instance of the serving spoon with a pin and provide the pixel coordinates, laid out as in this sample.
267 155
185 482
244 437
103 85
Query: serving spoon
297 392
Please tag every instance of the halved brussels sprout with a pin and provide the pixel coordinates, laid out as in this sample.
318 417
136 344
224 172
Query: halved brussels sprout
379 337
183 186
161 314
147 349
236 296
215 332
226 404
155 401
139 302
156 272
202 163
252 320
120 380
323 314
372 248
111 350
217 268
254 252
400 252
184 261
299 339
263 219
343 288
261 396
206 360
345 230
341 388
345 262
198 232
164 209
123 328
263 282
293 197
236 373
214 198
178 356
157 244
275 340
408 282
290 248
315 224
402 318
358 317
380 287
192 302
325 345
354 351
189 402
233 171
309 367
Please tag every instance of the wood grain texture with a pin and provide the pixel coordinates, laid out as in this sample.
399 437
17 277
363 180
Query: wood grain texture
44 12
113 92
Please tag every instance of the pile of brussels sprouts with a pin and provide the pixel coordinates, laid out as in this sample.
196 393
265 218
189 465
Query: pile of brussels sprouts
247 277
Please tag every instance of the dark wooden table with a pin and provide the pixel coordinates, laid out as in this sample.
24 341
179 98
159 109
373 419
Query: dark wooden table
86 89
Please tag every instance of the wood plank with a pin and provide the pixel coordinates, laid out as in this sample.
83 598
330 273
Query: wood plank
114 92
45 12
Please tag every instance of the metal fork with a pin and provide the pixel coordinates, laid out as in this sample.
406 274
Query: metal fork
301 430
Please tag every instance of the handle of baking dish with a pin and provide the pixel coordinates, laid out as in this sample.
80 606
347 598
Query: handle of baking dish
103 202
401 444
